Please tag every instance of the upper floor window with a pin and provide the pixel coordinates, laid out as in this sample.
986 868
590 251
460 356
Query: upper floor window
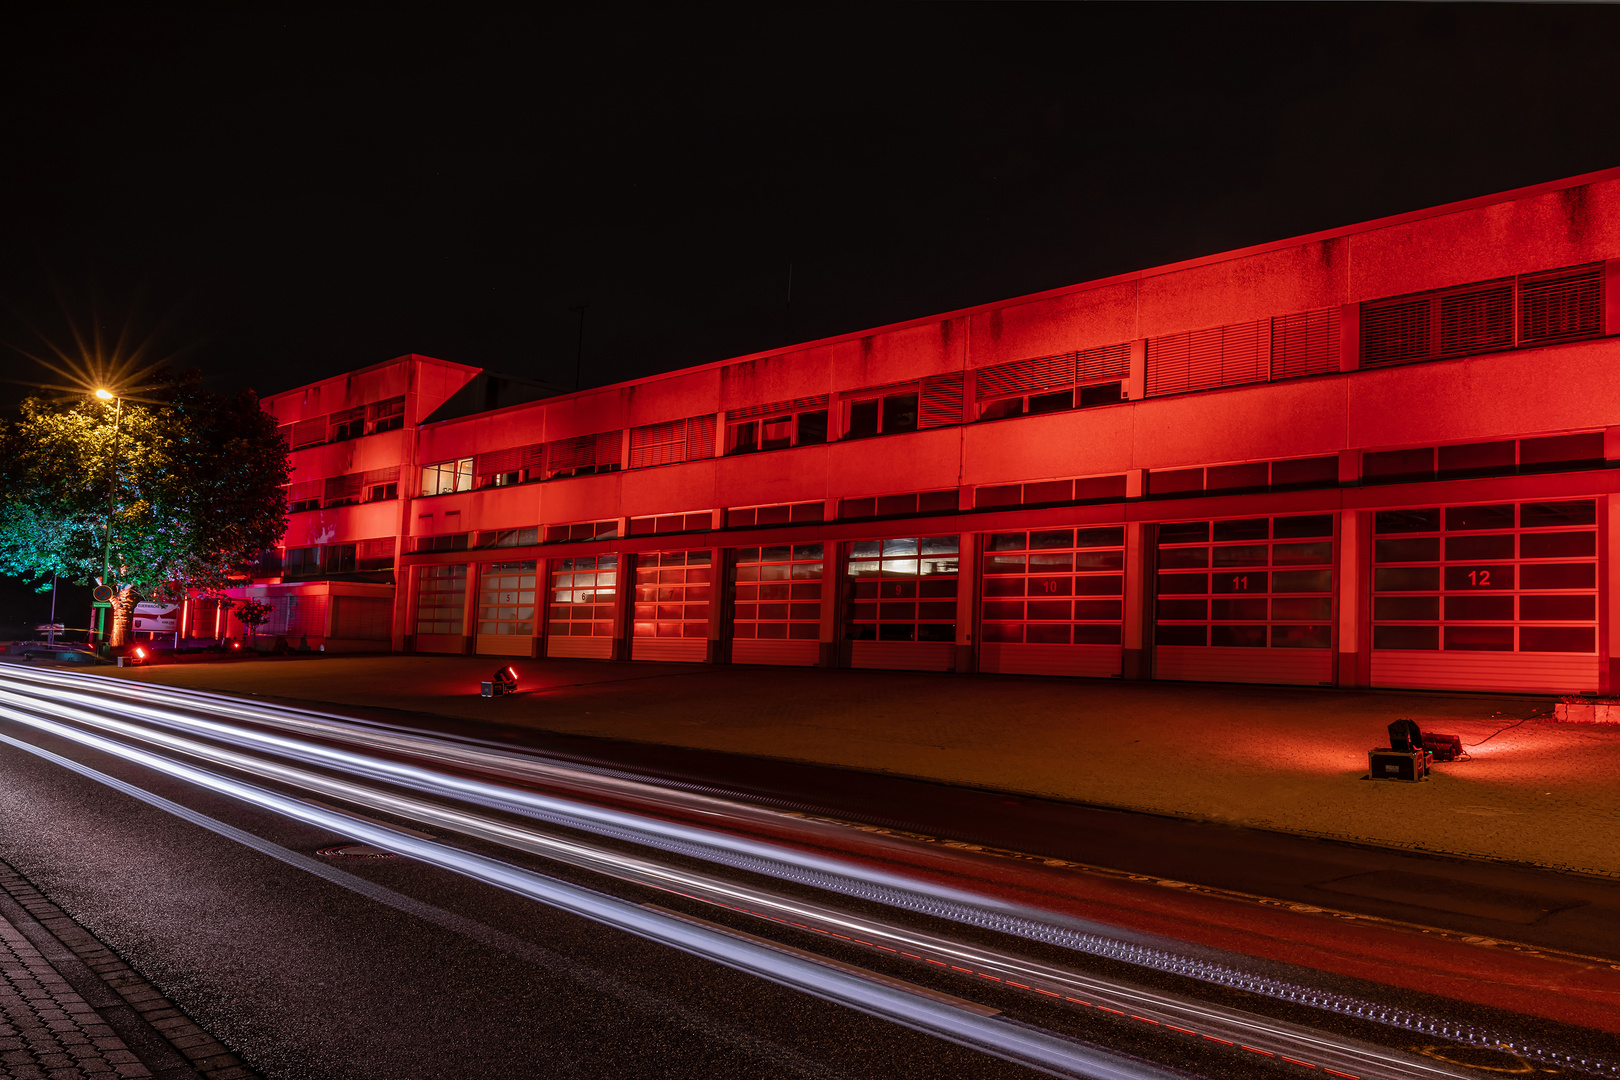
348 424
777 432
448 476
387 415
885 415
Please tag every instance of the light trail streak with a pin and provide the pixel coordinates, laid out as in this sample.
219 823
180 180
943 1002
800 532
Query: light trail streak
1018 1043
752 855
1235 1027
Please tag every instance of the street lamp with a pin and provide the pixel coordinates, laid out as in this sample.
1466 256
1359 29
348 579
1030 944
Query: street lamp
112 495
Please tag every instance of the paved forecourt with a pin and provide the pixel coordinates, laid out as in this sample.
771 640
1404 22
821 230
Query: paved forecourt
1283 758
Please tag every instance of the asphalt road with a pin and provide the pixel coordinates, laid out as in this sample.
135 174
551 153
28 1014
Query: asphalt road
305 977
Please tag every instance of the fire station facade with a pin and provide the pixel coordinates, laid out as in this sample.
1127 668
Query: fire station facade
1384 455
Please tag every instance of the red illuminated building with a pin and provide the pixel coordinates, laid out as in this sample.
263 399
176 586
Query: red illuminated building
1379 455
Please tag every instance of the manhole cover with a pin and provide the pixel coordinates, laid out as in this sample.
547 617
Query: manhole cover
355 851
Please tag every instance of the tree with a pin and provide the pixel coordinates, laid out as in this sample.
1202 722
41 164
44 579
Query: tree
252 614
195 490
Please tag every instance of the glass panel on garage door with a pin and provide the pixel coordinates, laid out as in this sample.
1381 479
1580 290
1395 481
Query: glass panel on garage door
1245 600
1495 596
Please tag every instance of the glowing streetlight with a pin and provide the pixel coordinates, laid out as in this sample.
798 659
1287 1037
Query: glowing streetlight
112 496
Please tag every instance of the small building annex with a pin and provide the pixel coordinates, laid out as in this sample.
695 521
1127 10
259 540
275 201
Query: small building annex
1383 455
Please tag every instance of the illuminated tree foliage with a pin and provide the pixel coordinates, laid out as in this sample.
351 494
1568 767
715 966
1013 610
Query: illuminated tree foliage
196 494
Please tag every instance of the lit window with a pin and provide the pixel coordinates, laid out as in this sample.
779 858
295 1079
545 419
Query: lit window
448 476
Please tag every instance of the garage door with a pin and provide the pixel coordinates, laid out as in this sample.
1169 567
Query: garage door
1245 600
1053 602
673 592
776 605
901 603
1494 597
583 592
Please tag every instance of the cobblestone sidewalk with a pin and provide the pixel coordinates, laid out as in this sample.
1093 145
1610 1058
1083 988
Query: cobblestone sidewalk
49 967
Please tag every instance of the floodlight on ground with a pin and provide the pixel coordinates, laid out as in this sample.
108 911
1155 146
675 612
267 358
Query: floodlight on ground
503 681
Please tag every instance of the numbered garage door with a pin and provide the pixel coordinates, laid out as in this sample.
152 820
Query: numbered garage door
1245 600
1498 597
1053 602
673 592
776 605
901 603
583 592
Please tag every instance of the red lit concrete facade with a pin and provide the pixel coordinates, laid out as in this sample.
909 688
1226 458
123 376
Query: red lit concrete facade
1384 455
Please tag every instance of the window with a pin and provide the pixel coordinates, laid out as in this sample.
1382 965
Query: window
583 591
338 558
583 455
304 495
1056 587
348 424
1047 384
911 502
441 598
584 530
1504 578
1249 582
1085 489
443 542
506 598
448 476
343 490
375 554
509 537
903 589
691 439
777 592
673 592
302 562
382 492
387 415
701 521
888 410
781 514
801 422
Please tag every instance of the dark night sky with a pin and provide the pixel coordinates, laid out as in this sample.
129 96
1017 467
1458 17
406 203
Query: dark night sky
306 192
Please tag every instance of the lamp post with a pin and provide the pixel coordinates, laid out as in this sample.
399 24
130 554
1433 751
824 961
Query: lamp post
112 497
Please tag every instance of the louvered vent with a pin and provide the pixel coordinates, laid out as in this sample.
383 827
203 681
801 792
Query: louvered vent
375 549
657 444
389 475
1561 305
564 454
1305 344
1202 359
1025 377
609 448
1102 365
499 461
1479 320
1395 332
940 402
780 408
308 432
533 457
342 488
700 437
304 491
